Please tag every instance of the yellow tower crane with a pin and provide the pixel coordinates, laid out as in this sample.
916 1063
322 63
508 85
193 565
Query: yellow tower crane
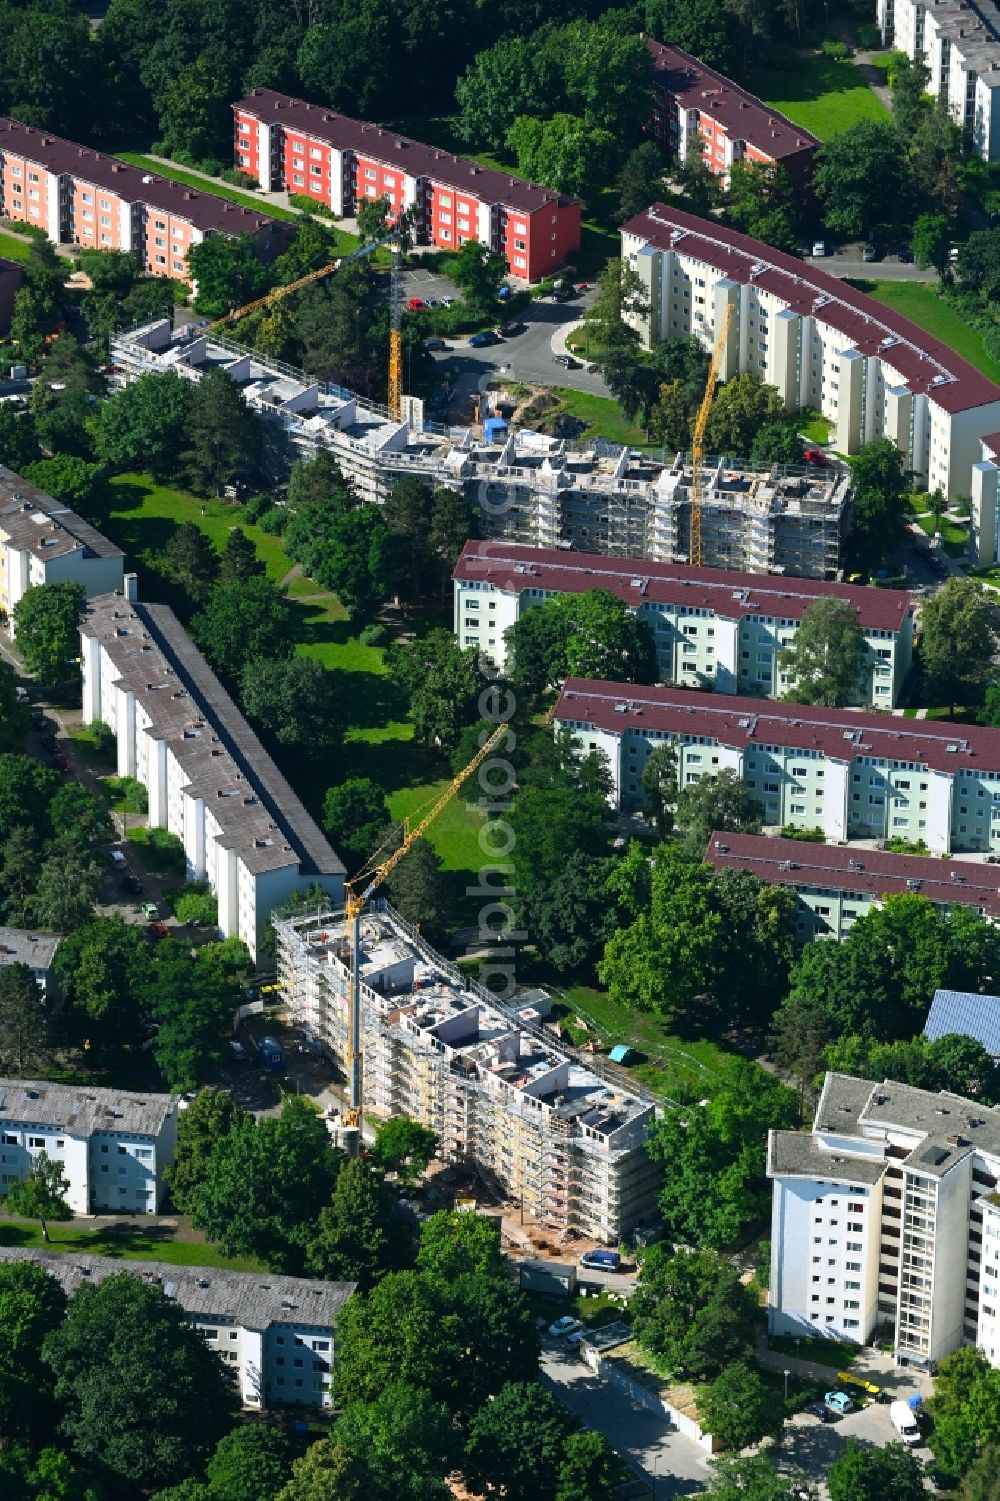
698 436
358 891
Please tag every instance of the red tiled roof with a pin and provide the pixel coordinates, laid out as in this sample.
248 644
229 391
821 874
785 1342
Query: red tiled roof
924 364
203 210
724 591
992 443
797 862
395 150
841 734
745 117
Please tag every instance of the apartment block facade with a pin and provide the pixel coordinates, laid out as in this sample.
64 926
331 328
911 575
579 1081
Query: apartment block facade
288 143
208 777
959 41
887 1212
822 344
44 542
275 1335
850 773
545 1130
83 197
697 111
835 885
713 628
112 1145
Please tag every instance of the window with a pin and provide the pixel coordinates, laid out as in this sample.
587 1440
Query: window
36 1141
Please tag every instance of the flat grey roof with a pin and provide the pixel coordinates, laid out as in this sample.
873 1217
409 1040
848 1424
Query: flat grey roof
226 765
934 1115
254 1300
841 1102
80 1110
21 946
32 520
797 1153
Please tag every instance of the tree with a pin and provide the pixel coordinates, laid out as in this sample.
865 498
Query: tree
718 802
223 433
878 512
660 788
888 1474
142 1395
66 890
191 999
863 179
357 1237
692 1312
513 77
960 640
703 27
228 273
404 1441
100 967
776 442
18 439
741 408
478 272
459 1245
354 814
443 684
77 818
588 1470
953 1062
193 111
239 560
372 217
295 702
250 1464
63 396
640 181
191 562
827 656
66 478
620 297
42 1195
24 1023
416 890
209 1118
404 1147
909 85
569 918
564 152
760 200
244 620
931 241
752 1479
517 1443
47 620
32 1304
607 74
327 1469
145 424
265 1183
739 1408
591 635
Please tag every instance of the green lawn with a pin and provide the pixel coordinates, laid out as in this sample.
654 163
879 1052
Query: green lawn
831 1352
922 303
213 186
817 428
86 749
602 414
820 93
151 1243
13 249
955 538
144 516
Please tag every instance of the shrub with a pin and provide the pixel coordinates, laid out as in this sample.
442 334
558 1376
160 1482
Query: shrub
193 904
253 509
374 635
161 850
869 36
837 50
810 836
307 205
237 178
126 794
274 520
102 738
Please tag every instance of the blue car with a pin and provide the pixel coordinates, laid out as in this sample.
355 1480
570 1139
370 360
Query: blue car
483 341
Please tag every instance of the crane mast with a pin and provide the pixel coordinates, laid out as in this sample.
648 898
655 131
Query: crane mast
698 435
354 904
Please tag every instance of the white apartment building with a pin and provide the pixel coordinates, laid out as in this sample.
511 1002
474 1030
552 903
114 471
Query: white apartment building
887 1212
44 542
713 628
834 885
35 950
208 777
959 41
112 1145
548 1132
822 344
275 1335
848 772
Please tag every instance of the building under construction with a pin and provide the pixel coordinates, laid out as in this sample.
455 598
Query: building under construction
542 1128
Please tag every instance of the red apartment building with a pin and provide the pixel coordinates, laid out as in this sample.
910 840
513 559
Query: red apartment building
82 197
287 143
692 102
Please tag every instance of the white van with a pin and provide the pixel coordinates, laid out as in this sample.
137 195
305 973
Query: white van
905 1424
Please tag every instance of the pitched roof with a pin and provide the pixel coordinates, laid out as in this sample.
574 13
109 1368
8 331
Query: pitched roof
745 117
924 364
33 522
515 567
967 1013
876 873
80 1109
840 734
252 1300
396 150
205 211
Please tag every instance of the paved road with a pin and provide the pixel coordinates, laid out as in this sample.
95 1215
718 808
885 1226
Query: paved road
848 263
656 1453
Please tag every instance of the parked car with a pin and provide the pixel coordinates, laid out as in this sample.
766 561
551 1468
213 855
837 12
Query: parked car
63 764
49 744
150 910
566 361
447 301
415 304
838 1402
819 247
511 330
601 1261
902 1419
435 344
431 302
869 252
238 1051
584 286
905 254
564 294
483 340
819 1410
132 883
118 859
566 1325
158 929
